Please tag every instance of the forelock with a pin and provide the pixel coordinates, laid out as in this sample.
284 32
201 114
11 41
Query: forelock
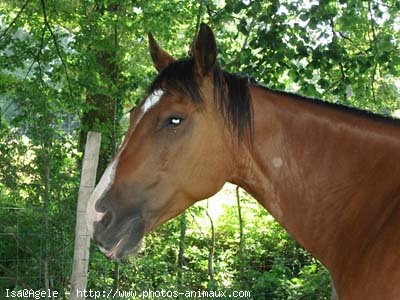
231 93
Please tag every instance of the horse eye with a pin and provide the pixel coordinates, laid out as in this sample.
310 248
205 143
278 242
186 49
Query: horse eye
174 121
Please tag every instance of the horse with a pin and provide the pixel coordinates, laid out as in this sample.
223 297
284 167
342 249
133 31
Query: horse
329 174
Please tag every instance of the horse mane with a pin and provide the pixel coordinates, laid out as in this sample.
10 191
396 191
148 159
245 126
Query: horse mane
336 106
231 93
232 96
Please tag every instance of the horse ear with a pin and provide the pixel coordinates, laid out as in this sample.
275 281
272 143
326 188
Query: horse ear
204 50
160 58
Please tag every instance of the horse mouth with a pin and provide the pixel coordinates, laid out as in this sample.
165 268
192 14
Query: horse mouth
123 248
122 240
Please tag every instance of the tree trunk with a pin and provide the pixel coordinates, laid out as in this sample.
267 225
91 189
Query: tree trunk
240 233
116 276
104 111
211 251
181 253
46 217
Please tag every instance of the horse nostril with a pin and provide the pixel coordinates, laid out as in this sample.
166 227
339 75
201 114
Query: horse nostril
106 220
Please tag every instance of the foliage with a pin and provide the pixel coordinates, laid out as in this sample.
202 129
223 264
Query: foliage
67 67
36 213
341 51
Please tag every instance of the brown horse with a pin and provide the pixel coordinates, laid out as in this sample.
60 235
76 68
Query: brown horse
328 173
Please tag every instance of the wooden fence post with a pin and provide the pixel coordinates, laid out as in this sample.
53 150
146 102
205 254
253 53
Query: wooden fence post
82 239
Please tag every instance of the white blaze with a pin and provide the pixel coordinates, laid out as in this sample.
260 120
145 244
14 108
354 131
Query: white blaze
102 188
108 177
152 100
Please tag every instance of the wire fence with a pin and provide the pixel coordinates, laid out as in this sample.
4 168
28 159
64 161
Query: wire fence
31 256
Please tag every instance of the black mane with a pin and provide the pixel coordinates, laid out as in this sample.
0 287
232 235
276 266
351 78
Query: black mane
231 92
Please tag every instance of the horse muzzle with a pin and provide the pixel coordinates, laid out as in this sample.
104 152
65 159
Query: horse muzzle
118 239
116 232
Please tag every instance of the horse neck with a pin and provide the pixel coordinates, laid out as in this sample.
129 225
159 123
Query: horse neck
329 176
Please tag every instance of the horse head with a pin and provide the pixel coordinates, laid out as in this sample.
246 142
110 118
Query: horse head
177 150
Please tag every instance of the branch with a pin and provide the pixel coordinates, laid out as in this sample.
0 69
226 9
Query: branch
237 60
341 67
37 58
197 224
210 264
240 230
15 19
331 87
196 28
199 16
374 47
373 82
47 25
352 43
342 71
214 14
372 24
343 79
